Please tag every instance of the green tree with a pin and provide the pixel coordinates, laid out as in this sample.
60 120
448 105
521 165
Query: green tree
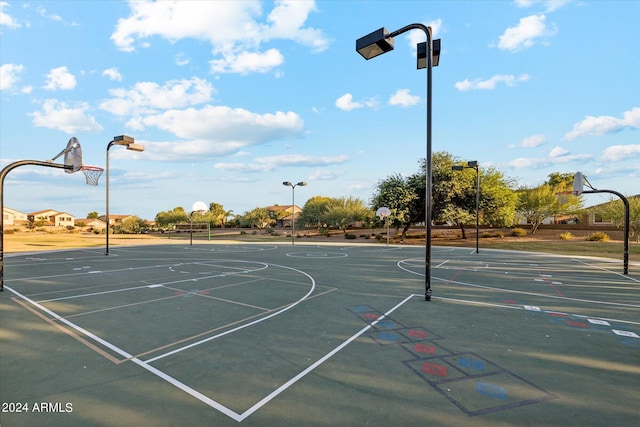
614 210
258 217
536 204
131 225
395 193
343 212
93 215
314 213
175 216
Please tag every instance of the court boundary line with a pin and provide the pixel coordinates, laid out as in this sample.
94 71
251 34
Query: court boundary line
239 417
475 285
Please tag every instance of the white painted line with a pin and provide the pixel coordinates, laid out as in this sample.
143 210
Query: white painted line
441 264
319 362
262 319
532 308
599 322
625 333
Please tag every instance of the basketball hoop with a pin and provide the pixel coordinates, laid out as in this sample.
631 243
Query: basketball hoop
563 196
92 174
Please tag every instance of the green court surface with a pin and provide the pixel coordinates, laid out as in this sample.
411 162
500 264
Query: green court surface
317 335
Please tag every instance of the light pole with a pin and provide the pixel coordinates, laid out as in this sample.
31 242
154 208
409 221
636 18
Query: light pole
379 42
293 206
474 165
128 142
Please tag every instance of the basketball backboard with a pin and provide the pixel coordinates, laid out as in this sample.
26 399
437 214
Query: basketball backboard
199 207
73 155
578 184
383 212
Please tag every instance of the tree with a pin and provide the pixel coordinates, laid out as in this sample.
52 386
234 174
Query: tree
92 215
536 204
314 213
258 217
614 210
177 215
395 193
131 225
343 212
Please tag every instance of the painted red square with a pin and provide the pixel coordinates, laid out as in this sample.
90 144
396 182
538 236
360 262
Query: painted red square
433 369
414 333
371 316
556 314
424 348
577 324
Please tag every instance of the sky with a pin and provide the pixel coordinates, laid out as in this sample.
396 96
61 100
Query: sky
231 98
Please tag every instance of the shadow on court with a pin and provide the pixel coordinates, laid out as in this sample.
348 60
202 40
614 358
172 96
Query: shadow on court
274 335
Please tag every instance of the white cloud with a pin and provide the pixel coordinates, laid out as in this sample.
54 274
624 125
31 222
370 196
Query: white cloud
247 62
234 29
603 125
533 141
58 115
346 103
619 152
5 19
9 75
216 130
266 164
182 59
403 98
539 163
525 34
558 152
112 73
149 97
60 78
490 84
325 175
549 5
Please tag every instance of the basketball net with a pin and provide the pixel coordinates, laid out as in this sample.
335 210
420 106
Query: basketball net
92 174
563 196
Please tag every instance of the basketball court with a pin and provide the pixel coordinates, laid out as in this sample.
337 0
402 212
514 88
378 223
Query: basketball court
270 335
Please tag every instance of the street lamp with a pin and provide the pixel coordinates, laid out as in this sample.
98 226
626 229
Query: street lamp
293 206
473 165
379 42
128 142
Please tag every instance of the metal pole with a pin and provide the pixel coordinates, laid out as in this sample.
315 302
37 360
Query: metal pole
106 252
293 215
428 208
3 174
477 209
625 201
191 229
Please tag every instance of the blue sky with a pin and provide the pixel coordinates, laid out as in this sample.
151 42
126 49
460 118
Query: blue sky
232 98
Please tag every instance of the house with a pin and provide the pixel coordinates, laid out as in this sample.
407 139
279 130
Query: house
51 217
114 219
283 215
91 223
593 219
11 217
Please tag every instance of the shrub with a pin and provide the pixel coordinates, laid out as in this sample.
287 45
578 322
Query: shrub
9 231
566 235
518 232
598 236
349 236
485 235
499 234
